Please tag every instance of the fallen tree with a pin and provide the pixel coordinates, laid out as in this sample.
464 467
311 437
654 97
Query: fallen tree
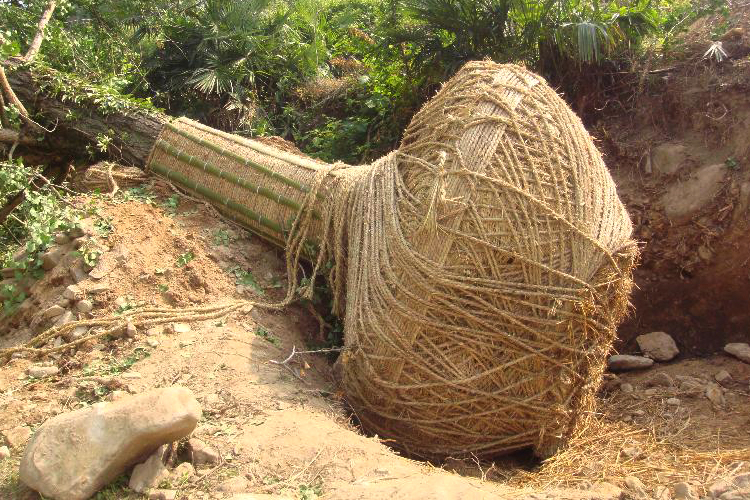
80 115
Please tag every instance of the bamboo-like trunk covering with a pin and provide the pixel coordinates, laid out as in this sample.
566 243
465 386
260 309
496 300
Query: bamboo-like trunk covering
484 266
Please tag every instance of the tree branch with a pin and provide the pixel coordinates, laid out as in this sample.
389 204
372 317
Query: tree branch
36 43
10 136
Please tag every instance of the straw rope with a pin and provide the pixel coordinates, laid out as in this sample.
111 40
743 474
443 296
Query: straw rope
482 268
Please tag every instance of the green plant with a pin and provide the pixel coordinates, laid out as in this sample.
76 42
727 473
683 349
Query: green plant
171 204
246 278
310 492
263 333
30 228
184 258
221 237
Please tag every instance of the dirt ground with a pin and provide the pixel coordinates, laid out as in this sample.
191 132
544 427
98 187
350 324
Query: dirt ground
283 428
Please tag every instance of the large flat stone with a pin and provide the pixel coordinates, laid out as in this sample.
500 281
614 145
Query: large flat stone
739 350
626 362
73 455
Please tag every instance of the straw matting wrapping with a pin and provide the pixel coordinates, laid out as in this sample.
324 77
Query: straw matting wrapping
484 267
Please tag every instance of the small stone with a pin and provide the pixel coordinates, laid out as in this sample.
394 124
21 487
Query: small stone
659 346
715 395
130 330
150 473
67 317
660 379
53 312
4 452
651 392
180 328
78 273
42 371
625 362
62 239
76 333
152 343
162 494
121 302
683 491
636 486
673 402
183 472
98 288
85 306
131 375
52 257
739 350
202 454
155 330
723 377
72 292
236 484
626 388
17 436
691 385
75 454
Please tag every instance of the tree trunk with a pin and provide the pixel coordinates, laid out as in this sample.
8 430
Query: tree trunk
131 133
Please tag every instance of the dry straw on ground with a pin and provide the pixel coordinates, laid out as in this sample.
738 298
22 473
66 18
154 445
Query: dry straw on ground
482 268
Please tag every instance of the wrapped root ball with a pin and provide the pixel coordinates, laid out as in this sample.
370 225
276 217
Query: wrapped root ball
489 264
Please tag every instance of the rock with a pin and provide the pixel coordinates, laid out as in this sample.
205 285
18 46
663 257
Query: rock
658 346
660 379
162 494
636 486
202 454
691 385
739 350
52 257
736 495
42 371
85 306
77 272
131 375
237 484
177 328
75 454
76 333
152 343
130 330
72 292
121 302
668 158
150 473
53 312
64 319
62 239
4 453
673 402
155 330
729 486
182 472
683 491
714 394
626 388
625 362
651 392
98 288
684 199
723 377
17 436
